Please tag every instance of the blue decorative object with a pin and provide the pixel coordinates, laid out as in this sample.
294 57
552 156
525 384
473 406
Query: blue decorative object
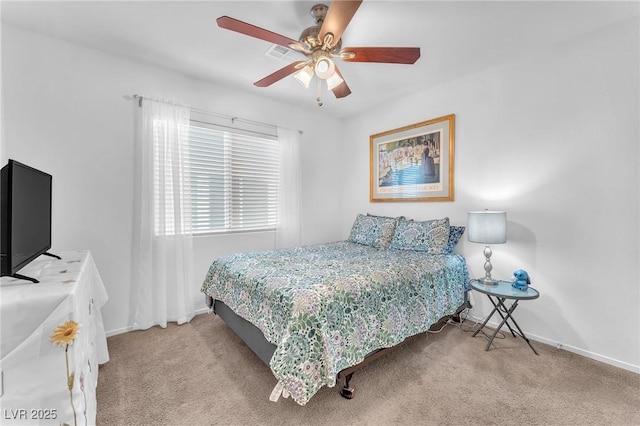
521 280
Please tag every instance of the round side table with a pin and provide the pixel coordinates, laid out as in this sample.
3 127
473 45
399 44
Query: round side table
498 294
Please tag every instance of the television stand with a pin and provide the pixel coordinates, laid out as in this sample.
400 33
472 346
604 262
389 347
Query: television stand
46 253
33 377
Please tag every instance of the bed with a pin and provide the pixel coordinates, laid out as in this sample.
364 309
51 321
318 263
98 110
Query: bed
312 313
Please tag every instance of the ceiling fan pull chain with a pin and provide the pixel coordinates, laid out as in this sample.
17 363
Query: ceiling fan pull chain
319 90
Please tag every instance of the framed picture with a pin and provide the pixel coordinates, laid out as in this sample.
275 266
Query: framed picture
413 163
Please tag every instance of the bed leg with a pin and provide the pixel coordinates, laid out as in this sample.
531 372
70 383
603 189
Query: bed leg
346 391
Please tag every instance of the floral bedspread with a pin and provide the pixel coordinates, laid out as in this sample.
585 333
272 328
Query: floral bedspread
327 306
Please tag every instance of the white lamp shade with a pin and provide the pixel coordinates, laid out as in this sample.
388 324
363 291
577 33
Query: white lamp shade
304 76
487 227
334 81
325 68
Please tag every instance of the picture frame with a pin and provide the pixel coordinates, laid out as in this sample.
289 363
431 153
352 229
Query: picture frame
414 162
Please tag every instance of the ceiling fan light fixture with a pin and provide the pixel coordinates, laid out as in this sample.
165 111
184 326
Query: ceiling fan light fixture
304 76
325 68
334 81
319 44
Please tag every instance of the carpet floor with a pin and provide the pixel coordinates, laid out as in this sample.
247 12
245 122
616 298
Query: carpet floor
201 373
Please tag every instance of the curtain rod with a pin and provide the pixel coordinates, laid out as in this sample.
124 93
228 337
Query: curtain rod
229 117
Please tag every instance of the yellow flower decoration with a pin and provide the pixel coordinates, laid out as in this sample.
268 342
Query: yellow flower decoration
65 333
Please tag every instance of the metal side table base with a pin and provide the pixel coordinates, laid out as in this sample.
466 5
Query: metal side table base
498 294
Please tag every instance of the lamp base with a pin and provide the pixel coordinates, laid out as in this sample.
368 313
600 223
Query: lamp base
489 281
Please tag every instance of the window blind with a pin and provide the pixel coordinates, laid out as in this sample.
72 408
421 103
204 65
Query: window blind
234 180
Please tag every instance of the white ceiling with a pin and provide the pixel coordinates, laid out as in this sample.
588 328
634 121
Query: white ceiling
455 38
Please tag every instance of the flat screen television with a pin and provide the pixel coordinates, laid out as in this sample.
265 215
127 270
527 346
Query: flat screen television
25 216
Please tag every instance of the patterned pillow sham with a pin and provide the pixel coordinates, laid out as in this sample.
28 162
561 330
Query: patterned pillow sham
374 231
430 236
455 232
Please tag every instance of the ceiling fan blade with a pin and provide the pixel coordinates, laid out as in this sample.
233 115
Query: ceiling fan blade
341 90
280 74
232 24
338 17
390 55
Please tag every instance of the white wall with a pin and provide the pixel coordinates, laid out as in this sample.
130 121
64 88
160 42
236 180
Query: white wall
552 139
3 147
65 114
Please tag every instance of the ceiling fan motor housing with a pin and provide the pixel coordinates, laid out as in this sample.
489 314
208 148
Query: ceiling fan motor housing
318 12
310 35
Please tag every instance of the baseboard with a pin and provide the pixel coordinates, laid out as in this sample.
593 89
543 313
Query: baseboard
119 331
130 327
585 353
570 348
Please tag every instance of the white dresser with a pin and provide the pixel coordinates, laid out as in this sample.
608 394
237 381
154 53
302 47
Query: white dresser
45 383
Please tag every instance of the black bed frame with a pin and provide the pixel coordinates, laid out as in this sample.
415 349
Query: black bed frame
255 340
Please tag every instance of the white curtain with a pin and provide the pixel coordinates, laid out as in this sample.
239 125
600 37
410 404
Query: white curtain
162 277
289 211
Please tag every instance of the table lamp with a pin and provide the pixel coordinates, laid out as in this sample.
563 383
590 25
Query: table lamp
487 227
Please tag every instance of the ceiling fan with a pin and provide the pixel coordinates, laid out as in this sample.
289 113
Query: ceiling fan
322 43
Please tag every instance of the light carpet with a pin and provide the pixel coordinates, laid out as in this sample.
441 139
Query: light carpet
200 373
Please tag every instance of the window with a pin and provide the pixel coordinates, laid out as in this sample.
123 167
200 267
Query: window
234 179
